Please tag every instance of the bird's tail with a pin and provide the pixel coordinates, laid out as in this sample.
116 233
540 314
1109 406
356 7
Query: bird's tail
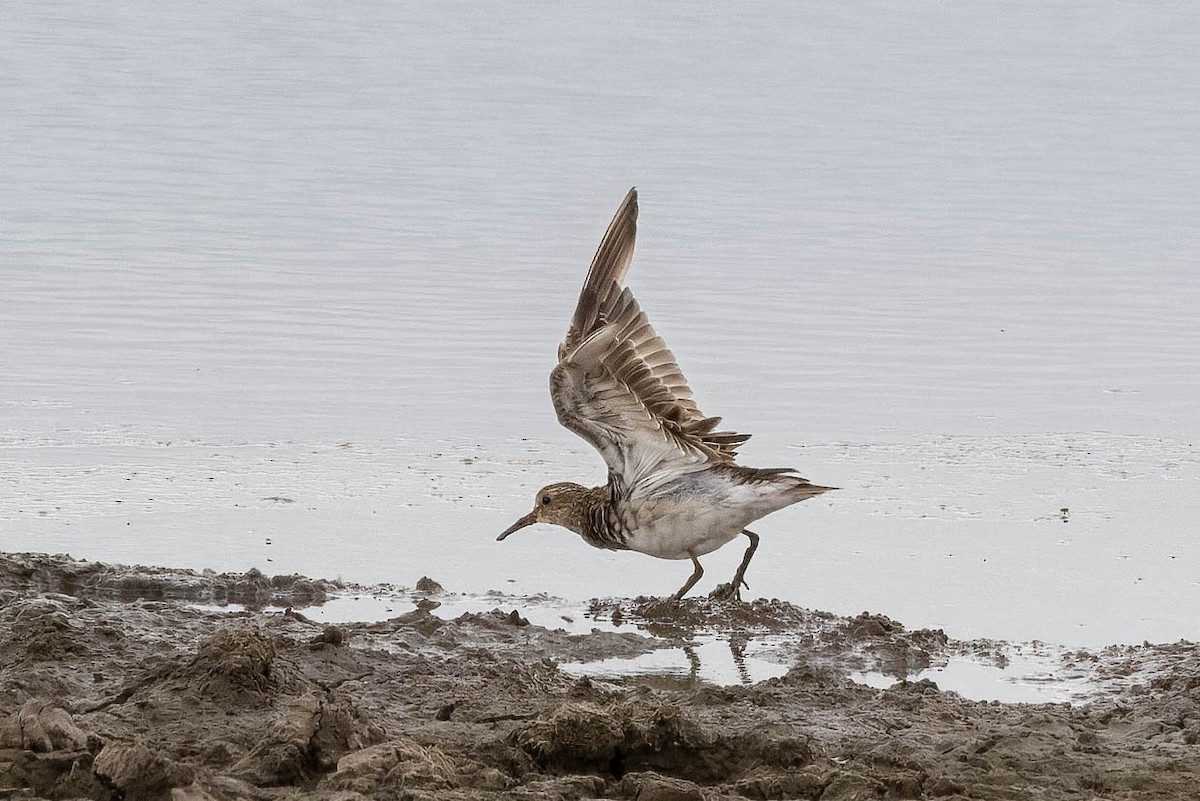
801 488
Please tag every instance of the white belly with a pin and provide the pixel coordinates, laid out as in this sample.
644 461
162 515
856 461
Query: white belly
672 529
697 514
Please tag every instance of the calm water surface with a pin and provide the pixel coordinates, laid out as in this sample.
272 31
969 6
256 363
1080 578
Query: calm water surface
942 256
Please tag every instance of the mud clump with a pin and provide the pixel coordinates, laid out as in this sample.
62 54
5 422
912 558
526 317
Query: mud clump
104 696
393 766
44 630
643 734
234 661
41 728
133 770
574 737
428 586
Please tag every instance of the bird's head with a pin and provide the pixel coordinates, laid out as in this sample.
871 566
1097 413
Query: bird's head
563 504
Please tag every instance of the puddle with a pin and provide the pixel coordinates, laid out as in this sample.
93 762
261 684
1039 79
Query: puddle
712 659
1004 672
360 608
550 613
1023 678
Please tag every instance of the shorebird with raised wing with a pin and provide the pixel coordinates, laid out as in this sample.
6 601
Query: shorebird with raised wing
674 490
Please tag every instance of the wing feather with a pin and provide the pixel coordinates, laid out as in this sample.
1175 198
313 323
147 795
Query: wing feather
617 384
608 269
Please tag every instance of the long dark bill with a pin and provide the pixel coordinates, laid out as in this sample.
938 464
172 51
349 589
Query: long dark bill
527 520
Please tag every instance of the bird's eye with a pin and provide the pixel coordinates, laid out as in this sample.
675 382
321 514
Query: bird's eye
545 500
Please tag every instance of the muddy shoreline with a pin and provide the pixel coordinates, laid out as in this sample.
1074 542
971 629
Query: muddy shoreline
132 682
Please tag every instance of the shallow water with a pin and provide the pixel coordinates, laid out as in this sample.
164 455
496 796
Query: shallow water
1036 678
708 656
281 288
981 670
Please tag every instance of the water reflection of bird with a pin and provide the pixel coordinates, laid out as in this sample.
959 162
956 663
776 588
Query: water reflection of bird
674 490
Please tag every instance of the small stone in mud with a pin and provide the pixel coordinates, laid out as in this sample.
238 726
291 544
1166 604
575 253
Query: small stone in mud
515 619
428 586
330 635
446 710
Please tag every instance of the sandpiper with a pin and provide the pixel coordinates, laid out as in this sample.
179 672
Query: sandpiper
674 490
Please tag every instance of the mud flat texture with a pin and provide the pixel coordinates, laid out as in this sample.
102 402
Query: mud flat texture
115 685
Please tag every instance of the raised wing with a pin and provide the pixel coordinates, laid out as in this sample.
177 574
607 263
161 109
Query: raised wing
617 384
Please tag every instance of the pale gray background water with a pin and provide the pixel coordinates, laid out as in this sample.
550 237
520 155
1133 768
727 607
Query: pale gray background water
942 256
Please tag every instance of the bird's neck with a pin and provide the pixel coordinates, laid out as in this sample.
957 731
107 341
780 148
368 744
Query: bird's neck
589 512
600 522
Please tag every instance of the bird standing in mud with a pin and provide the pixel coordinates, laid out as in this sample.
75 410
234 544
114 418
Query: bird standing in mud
674 490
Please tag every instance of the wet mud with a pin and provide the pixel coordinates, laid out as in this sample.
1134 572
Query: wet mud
126 683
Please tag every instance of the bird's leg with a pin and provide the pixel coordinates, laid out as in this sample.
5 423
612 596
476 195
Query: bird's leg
739 578
733 590
696 574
